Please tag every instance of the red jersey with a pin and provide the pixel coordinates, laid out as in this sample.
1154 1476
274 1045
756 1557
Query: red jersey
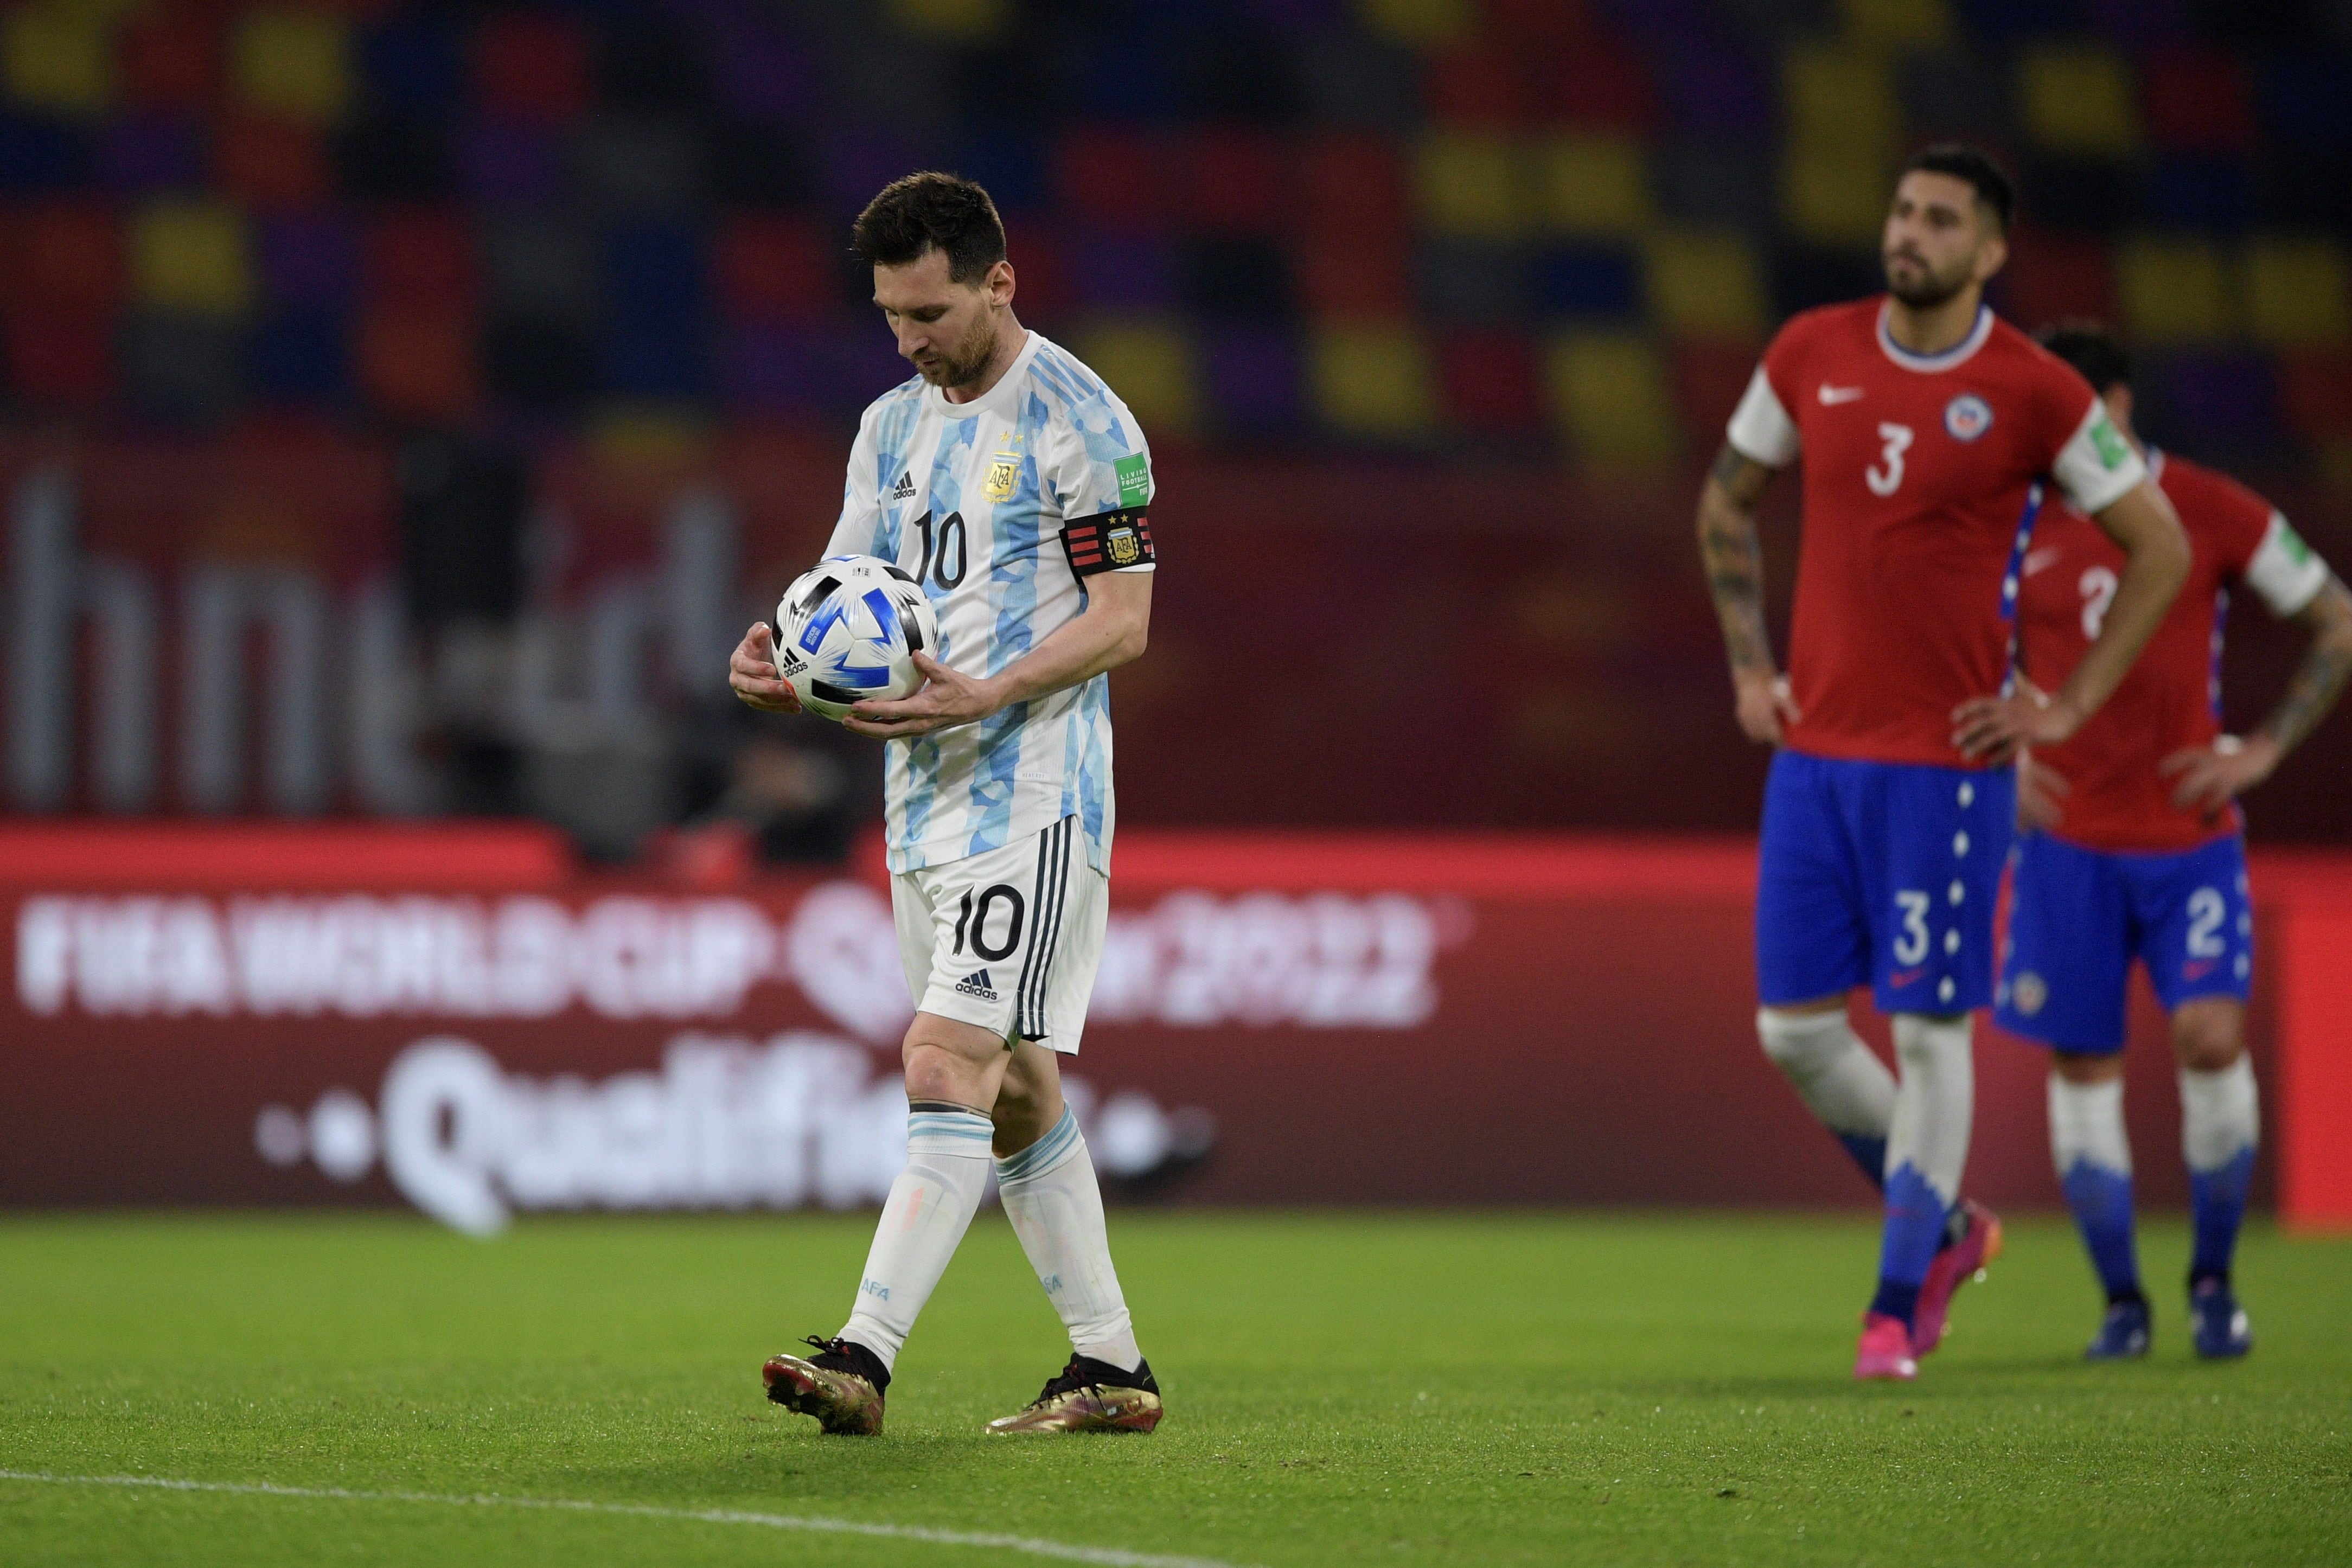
2170 698
1916 474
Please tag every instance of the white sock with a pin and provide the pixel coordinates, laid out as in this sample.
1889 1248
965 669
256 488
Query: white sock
930 1206
1056 1204
2086 1126
2221 1115
1935 1101
1831 1070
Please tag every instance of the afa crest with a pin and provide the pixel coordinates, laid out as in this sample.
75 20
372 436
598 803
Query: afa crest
1121 545
1003 473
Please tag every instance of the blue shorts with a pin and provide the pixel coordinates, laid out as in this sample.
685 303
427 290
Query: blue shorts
2078 918
1880 873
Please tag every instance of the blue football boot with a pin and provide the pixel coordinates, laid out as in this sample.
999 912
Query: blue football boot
2218 1325
2123 1336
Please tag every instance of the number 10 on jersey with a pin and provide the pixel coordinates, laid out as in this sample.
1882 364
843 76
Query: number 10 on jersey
938 550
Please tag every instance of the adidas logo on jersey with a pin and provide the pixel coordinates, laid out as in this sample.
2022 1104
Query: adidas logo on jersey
976 983
903 491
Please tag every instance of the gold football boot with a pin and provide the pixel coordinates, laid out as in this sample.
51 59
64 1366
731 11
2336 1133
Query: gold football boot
1090 1395
841 1386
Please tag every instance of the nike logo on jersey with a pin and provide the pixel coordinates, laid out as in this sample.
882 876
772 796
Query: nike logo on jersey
1832 396
1905 977
2036 559
2198 969
904 489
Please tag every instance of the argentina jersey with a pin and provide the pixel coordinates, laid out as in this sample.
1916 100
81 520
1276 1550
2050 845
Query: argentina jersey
1001 508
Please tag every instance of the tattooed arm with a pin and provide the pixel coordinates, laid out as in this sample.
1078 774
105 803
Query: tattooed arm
1734 575
2211 776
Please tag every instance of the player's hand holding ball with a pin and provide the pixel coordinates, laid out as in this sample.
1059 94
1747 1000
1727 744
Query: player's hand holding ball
751 672
852 636
948 698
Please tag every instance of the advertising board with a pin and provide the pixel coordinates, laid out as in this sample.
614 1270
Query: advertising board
459 1019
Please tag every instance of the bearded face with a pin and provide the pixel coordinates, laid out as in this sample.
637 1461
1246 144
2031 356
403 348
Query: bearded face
1939 240
1917 282
960 364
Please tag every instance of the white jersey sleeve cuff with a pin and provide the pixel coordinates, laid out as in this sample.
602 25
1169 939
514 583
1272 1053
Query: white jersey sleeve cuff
2287 572
2097 467
1760 429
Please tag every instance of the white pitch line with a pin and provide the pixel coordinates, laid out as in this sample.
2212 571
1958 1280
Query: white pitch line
1107 1556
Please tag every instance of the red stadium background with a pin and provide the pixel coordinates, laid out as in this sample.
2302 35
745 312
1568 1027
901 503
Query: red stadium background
461 1018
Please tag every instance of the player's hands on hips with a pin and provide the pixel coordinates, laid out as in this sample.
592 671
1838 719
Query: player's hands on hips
2040 793
751 673
2213 775
1990 729
947 698
1765 707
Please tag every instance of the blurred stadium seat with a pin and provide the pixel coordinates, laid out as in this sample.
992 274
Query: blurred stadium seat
1153 365
1372 380
295 63
1707 285
59 58
2174 290
190 256
2076 100
1610 389
2298 293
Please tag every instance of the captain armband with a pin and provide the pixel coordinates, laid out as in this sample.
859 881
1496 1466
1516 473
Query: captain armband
1107 541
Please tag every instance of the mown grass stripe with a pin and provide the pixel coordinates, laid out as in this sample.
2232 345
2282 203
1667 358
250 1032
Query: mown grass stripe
1108 1556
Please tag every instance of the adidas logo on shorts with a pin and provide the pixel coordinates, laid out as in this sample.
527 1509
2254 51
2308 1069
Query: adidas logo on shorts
976 983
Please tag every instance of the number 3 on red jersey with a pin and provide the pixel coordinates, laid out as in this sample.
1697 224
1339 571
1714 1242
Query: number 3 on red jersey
1884 481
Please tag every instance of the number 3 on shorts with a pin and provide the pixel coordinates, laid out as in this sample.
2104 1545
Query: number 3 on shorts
1911 942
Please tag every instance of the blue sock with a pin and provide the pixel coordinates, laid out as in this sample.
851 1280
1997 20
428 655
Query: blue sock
1914 1227
2102 1201
2217 1199
1870 1154
1895 1299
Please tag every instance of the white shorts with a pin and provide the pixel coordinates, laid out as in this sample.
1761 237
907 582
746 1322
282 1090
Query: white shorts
1007 940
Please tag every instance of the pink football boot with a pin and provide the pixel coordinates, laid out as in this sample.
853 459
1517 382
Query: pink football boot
1884 1351
1953 1267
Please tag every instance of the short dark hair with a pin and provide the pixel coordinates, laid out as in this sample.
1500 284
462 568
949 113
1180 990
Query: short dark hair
2090 349
931 211
1962 162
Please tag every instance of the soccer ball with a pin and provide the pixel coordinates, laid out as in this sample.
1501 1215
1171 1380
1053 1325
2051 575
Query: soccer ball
849 629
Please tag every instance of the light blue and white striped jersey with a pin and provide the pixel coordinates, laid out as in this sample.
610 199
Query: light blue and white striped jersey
972 498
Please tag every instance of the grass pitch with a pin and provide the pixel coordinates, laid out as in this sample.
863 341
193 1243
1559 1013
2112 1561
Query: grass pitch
1341 1389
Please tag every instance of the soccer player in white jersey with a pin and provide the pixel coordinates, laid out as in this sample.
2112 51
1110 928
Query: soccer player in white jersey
1012 483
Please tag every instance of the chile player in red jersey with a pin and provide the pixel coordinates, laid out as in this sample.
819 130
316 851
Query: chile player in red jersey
2134 847
1925 424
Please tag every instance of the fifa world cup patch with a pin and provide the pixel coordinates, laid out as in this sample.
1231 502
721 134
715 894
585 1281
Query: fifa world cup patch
1107 541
